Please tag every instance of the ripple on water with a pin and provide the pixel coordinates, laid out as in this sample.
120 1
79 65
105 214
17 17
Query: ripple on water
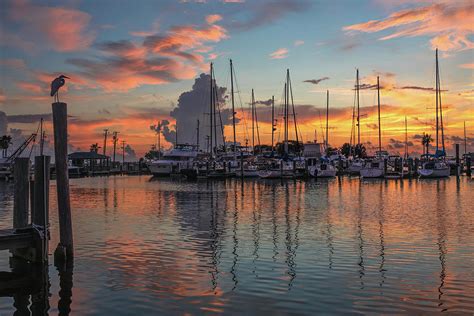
300 247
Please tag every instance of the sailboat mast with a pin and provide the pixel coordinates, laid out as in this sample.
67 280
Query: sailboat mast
233 106
214 105
437 99
197 135
465 139
441 113
358 107
294 113
406 138
380 130
273 121
211 97
285 111
253 123
327 119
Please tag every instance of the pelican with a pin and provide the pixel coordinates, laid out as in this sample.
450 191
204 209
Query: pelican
55 85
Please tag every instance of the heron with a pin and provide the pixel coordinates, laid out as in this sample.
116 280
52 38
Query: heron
56 84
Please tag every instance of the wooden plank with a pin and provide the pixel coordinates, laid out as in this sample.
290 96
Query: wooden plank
10 239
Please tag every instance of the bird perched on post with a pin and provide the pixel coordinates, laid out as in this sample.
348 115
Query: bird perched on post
55 85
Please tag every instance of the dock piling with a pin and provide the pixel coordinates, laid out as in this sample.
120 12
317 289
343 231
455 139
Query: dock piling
64 249
21 192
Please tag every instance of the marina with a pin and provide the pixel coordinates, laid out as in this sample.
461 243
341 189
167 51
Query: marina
236 157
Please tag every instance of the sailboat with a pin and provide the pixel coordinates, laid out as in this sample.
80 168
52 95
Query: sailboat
324 168
247 168
284 167
437 167
356 164
375 168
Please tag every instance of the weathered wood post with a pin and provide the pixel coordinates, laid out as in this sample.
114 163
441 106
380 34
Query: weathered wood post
417 166
64 249
40 212
21 192
458 165
385 164
281 168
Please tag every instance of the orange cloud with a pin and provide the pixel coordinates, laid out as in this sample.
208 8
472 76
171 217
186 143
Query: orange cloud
159 59
467 66
213 18
30 87
62 29
279 53
449 24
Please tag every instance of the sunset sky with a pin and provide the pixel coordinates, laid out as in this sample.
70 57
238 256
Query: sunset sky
129 62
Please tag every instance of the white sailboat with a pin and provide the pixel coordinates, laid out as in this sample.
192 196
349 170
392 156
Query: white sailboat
323 168
437 167
375 169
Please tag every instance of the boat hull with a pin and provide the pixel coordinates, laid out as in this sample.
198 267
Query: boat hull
434 173
371 173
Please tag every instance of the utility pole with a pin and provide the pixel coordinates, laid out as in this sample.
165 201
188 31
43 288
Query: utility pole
115 139
106 132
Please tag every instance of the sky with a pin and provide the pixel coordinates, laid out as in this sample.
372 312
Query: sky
134 64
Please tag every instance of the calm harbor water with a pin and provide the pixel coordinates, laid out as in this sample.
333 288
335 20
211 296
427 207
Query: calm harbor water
301 247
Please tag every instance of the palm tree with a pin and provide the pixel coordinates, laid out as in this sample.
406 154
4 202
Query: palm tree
94 147
425 141
5 142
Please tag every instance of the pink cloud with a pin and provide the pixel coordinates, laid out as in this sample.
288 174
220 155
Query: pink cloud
59 28
30 87
299 42
467 66
279 53
213 18
449 24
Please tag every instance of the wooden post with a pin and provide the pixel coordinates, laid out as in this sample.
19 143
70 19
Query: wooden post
385 162
21 195
458 168
40 213
281 168
64 249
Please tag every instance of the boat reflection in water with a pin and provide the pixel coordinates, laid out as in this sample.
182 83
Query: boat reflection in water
268 246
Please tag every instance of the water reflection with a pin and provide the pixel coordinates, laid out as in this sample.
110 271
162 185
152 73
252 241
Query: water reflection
341 246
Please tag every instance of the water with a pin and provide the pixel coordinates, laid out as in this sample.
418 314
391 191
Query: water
300 247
